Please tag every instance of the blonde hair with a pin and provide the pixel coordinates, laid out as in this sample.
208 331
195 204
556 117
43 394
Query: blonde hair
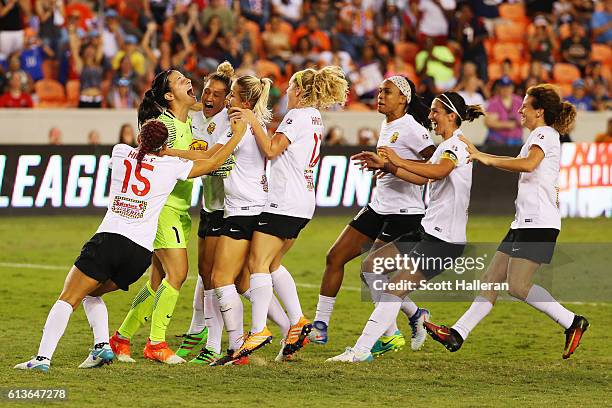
558 114
224 74
256 91
323 88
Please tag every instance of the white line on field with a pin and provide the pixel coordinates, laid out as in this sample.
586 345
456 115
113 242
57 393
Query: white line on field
193 276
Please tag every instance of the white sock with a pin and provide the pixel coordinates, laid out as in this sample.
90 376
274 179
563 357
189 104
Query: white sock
391 329
232 313
97 315
285 288
539 298
213 320
375 283
56 324
276 313
479 309
261 295
325 307
381 318
198 322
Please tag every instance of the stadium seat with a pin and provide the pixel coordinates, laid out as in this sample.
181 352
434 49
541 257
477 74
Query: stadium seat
565 73
510 32
602 53
73 90
512 11
407 51
512 51
50 93
495 72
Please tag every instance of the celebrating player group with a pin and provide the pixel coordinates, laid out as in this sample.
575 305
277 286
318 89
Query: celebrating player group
259 193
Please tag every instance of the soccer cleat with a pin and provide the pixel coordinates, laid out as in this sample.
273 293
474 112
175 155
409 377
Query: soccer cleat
297 337
419 334
162 353
574 334
442 334
252 342
230 359
206 356
318 335
37 363
101 354
384 344
281 356
350 355
191 341
121 348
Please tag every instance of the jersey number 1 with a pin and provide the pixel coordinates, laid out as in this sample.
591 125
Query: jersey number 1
316 153
139 177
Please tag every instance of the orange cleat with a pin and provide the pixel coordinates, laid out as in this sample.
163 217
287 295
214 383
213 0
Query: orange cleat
574 334
297 338
162 353
121 348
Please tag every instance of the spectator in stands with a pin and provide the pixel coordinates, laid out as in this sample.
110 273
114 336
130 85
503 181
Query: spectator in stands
319 40
389 23
127 135
348 41
209 50
226 16
360 15
469 32
233 51
469 72
14 68
15 97
503 118
326 14
3 80
488 11
93 138
437 61
112 34
579 97
593 74
33 55
542 44
11 26
601 24
366 137
121 95
576 49
276 43
289 10
255 10
335 137
607 136
337 56
55 136
427 90
302 53
130 49
470 93
161 58
434 18
601 98
88 65
82 12
50 14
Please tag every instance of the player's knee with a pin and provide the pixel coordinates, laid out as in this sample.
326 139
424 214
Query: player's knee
257 264
219 279
334 258
177 279
518 290
72 299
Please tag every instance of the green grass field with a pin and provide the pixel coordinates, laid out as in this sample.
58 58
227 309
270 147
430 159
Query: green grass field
513 358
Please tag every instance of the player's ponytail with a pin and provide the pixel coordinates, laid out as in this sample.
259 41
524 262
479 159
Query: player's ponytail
558 114
321 89
417 108
152 137
454 103
154 102
255 92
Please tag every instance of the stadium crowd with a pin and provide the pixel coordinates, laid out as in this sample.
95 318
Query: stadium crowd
65 53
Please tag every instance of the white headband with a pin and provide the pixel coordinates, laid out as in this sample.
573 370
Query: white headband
451 106
403 85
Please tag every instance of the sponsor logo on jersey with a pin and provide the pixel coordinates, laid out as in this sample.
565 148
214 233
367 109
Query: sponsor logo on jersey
394 137
264 183
309 178
289 121
211 128
316 121
128 207
198 145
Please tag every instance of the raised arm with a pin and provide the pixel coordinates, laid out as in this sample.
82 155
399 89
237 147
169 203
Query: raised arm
374 162
193 154
513 164
433 171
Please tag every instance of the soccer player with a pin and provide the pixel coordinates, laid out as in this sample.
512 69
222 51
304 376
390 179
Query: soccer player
120 251
294 152
531 239
449 173
169 100
396 209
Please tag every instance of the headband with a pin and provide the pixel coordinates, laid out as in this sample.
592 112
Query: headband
298 78
451 106
403 85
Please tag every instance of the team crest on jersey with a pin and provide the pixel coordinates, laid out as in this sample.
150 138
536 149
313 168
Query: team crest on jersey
198 145
128 207
211 128
394 137
264 183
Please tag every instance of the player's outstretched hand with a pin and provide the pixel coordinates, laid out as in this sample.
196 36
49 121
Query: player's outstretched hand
389 154
473 152
368 160
242 114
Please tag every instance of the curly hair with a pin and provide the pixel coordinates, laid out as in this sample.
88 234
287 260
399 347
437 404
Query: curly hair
558 114
153 135
323 88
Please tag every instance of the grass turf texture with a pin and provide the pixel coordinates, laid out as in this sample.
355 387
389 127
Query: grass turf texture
513 358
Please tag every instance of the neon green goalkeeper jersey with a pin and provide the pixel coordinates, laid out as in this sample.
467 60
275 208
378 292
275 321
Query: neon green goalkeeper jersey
179 137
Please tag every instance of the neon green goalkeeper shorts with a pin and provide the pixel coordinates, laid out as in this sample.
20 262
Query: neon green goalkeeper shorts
173 229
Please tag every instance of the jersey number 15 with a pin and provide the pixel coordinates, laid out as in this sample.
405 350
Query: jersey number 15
128 174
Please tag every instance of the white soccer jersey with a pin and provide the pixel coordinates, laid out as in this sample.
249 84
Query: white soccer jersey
449 198
206 133
292 189
392 195
537 199
137 195
246 187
